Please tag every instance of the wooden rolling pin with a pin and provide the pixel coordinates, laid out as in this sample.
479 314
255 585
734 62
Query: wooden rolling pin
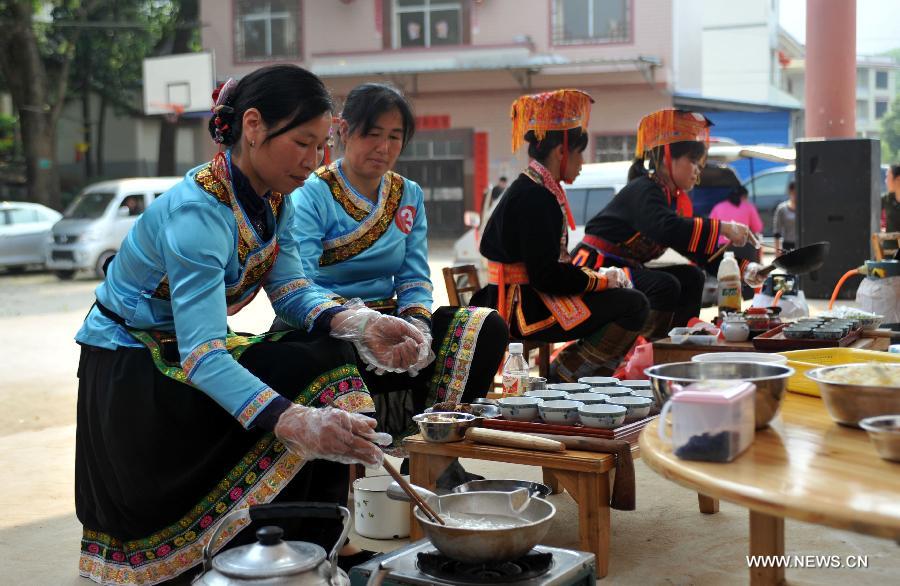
579 442
511 439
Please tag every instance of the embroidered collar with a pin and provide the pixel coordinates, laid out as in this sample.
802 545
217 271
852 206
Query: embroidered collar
684 207
358 198
541 175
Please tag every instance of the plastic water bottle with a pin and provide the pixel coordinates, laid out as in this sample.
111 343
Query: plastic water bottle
515 371
729 287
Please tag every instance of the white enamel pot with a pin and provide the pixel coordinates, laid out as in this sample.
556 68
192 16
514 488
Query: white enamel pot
375 515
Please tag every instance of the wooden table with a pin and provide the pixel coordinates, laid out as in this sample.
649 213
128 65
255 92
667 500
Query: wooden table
584 474
665 351
804 467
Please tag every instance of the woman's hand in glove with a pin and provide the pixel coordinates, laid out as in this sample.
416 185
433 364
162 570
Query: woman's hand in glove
384 342
752 276
331 434
616 278
425 353
737 233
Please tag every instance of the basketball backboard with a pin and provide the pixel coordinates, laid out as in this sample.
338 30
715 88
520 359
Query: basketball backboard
182 81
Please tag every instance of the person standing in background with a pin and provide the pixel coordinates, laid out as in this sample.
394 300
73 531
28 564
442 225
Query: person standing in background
785 222
890 201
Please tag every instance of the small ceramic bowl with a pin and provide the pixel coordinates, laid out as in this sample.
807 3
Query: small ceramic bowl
589 398
884 431
599 381
843 325
519 408
560 412
638 407
614 391
547 394
828 333
570 387
602 416
797 333
635 384
645 393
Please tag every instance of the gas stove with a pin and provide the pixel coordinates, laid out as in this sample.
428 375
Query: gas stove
420 563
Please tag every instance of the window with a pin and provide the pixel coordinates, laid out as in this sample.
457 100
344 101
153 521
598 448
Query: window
427 23
862 79
267 30
881 108
614 148
587 203
590 21
21 216
134 204
881 80
862 110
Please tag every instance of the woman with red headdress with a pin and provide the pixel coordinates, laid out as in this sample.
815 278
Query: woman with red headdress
533 282
654 212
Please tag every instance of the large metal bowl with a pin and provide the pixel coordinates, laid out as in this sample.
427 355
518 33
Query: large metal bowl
770 380
444 426
849 403
535 489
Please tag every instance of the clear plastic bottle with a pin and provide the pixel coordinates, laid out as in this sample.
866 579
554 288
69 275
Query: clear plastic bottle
729 287
515 371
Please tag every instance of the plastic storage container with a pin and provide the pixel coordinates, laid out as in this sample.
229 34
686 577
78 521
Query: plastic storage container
711 421
515 372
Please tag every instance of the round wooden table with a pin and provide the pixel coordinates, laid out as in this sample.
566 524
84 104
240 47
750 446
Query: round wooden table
803 467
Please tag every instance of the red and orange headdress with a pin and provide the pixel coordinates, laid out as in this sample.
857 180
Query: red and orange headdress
556 110
668 126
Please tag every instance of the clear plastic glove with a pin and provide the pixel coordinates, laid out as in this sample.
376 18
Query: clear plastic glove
384 342
736 232
426 354
331 434
752 276
616 278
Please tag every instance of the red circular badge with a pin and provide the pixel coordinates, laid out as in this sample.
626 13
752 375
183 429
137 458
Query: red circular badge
405 218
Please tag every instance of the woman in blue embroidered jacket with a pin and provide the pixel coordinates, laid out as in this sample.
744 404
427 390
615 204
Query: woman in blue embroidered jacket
362 233
179 419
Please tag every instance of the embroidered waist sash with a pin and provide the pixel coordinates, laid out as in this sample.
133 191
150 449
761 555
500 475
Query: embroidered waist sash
635 251
566 310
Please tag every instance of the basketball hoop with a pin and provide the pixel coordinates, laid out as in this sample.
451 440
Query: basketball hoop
171 112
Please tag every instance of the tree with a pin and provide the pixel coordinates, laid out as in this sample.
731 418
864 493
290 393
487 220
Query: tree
890 133
35 56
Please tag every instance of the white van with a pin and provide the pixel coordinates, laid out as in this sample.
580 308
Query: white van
594 187
96 222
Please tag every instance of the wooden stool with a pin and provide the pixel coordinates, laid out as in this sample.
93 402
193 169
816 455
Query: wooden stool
584 474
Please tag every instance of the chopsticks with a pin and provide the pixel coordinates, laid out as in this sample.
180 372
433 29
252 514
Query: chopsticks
751 237
406 486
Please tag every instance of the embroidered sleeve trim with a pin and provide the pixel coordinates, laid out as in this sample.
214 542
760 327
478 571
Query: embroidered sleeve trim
713 236
254 405
193 359
314 313
415 311
289 289
413 284
695 235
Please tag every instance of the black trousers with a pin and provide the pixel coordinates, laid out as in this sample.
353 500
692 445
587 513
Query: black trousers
677 289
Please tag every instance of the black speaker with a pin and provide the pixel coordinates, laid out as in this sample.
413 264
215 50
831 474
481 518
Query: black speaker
838 200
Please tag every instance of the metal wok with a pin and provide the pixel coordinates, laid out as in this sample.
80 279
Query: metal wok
483 545
805 259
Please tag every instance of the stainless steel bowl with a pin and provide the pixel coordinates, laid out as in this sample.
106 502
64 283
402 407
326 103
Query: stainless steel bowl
770 380
444 426
534 488
848 403
884 431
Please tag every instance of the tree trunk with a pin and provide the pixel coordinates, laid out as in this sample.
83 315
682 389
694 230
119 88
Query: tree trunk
101 137
86 137
39 145
166 161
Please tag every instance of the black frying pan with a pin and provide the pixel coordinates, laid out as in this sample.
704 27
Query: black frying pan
805 259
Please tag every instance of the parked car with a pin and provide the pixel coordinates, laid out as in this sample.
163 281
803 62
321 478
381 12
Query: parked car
96 222
24 231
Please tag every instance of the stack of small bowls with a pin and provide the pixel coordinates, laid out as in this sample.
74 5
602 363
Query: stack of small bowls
602 402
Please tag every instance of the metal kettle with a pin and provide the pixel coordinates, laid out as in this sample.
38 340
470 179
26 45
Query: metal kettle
272 561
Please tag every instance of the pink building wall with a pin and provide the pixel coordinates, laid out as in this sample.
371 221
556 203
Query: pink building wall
333 32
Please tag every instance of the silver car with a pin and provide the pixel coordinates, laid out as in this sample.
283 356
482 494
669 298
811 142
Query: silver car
24 232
